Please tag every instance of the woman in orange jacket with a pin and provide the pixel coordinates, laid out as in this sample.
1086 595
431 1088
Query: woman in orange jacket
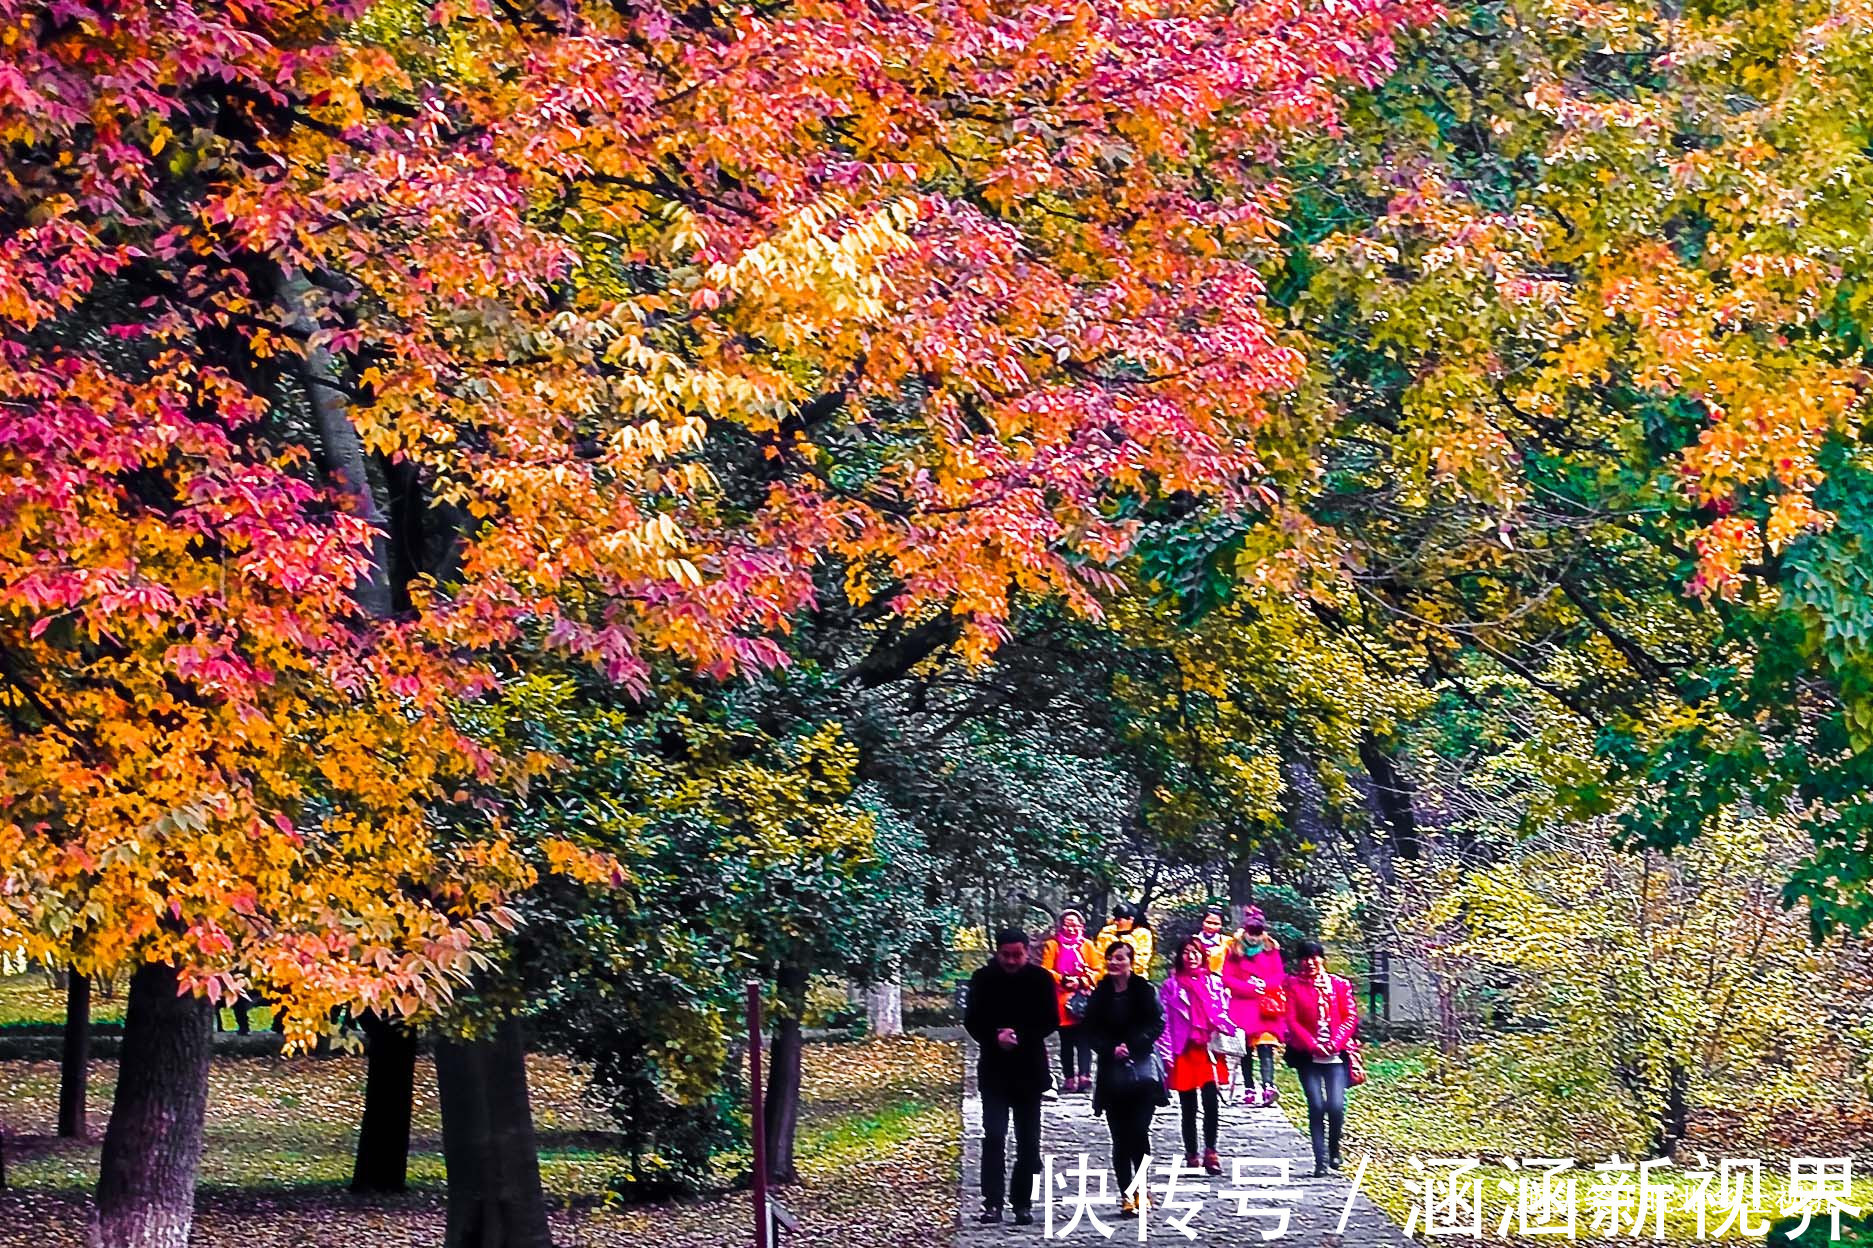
1075 964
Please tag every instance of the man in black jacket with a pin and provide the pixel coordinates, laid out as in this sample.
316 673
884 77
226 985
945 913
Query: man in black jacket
1011 1012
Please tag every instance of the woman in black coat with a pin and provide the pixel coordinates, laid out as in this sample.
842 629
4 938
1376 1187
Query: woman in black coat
1123 1021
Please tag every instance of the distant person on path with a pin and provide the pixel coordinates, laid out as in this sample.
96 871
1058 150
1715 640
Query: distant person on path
1124 1020
1129 925
1322 1019
1196 1015
1074 963
1011 1012
1210 935
1254 976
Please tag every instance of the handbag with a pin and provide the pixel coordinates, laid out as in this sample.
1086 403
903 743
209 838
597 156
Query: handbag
1230 1044
1077 1001
1355 1066
1274 1003
1136 1076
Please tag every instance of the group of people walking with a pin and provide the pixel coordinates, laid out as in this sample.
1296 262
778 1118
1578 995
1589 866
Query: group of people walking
1222 997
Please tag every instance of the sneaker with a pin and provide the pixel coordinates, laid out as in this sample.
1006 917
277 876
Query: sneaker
1251 1096
1321 1171
1335 1162
989 1216
1270 1096
1212 1164
1191 1163
1128 1208
1024 1217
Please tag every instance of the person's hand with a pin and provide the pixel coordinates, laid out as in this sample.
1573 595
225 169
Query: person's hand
1006 1038
1121 1052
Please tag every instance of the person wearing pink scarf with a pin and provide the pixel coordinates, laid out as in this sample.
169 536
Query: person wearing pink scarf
1196 1012
1255 977
1075 964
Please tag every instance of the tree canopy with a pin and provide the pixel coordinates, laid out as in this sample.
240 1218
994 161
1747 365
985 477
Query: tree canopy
463 464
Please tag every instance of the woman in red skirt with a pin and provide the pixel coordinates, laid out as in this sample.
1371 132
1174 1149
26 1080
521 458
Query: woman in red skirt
1196 1013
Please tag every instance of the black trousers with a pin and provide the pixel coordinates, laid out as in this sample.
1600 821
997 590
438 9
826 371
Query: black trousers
997 1109
1130 1124
1324 1084
1211 1103
1266 1053
1075 1047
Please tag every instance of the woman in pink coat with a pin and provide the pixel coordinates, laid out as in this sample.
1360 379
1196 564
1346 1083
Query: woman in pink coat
1253 973
1322 1020
1196 1015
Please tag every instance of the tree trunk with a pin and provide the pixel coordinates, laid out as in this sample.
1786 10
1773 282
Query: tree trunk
1674 1119
782 1111
1241 885
1393 794
75 1057
146 1177
884 1009
340 448
382 1162
488 1149
1444 988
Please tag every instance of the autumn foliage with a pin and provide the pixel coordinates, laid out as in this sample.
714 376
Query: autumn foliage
346 349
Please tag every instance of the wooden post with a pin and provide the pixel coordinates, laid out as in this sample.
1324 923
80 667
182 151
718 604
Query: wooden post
757 1119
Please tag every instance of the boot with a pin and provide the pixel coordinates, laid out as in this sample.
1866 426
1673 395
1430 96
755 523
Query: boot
1212 1164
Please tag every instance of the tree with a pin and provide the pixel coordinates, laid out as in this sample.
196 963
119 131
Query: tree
488 1145
740 855
345 350
383 1154
1585 394
1683 980
146 1176
75 1056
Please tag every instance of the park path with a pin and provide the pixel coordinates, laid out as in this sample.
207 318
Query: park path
1256 1139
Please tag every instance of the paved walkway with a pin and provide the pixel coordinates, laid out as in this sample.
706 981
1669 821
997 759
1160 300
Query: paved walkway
1254 1144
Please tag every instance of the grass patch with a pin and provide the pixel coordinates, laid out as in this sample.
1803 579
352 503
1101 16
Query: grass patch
1405 1112
852 1137
33 1000
879 1152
